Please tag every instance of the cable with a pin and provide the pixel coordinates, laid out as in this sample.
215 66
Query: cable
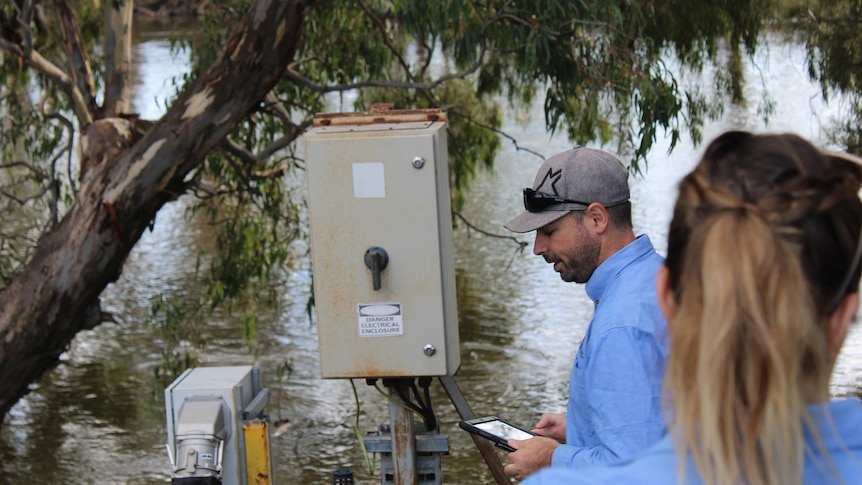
405 403
369 464
430 420
425 383
422 407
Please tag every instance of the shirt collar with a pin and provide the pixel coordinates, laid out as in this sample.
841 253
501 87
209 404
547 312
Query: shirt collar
613 266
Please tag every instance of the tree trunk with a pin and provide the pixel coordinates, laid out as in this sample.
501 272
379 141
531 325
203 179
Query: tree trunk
57 293
118 58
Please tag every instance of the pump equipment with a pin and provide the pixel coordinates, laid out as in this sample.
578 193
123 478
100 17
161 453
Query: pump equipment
217 432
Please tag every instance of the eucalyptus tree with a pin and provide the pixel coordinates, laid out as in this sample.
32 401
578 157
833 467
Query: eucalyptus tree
83 177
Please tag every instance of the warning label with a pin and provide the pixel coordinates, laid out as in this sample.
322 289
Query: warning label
380 319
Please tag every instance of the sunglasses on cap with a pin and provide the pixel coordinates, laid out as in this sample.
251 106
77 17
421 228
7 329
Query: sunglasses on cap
539 201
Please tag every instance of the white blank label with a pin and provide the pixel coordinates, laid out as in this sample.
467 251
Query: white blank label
368 181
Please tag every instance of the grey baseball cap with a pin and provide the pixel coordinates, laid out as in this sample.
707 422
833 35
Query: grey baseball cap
581 176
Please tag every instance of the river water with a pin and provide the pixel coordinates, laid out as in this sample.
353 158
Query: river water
90 420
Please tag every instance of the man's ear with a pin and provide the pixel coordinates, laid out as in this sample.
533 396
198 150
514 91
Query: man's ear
839 322
597 215
664 292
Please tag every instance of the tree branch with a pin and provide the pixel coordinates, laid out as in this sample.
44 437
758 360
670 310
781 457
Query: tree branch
76 55
57 75
385 36
518 250
295 76
502 133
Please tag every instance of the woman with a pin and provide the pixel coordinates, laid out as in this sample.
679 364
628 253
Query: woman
759 287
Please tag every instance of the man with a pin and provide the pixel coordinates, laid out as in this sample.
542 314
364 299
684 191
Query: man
579 207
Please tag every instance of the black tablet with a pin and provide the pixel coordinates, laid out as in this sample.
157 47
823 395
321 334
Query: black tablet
496 430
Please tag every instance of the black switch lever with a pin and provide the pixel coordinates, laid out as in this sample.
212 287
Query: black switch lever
376 259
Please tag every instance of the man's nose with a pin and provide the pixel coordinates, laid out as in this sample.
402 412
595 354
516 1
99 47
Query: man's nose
539 245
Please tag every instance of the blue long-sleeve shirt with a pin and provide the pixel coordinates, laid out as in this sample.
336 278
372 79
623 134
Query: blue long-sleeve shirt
614 409
839 424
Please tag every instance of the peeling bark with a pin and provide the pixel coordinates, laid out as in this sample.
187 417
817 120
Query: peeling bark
106 139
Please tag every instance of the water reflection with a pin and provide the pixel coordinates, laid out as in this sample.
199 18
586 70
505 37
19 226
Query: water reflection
88 421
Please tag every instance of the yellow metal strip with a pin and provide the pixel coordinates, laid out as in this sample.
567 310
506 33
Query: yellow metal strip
257 452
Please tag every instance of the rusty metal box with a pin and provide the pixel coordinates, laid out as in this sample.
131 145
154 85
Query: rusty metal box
379 185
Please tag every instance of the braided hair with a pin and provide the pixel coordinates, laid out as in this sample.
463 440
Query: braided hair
761 251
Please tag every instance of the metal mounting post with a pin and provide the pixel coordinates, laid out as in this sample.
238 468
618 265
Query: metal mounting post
485 446
403 442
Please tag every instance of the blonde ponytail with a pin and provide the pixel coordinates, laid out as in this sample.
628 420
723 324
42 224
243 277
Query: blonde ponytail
763 236
743 323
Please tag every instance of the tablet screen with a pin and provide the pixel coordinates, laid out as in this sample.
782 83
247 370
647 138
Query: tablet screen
504 430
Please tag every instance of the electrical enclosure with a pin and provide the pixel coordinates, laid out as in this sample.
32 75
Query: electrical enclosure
381 245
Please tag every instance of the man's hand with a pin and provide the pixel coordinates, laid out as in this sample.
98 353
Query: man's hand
552 426
529 456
